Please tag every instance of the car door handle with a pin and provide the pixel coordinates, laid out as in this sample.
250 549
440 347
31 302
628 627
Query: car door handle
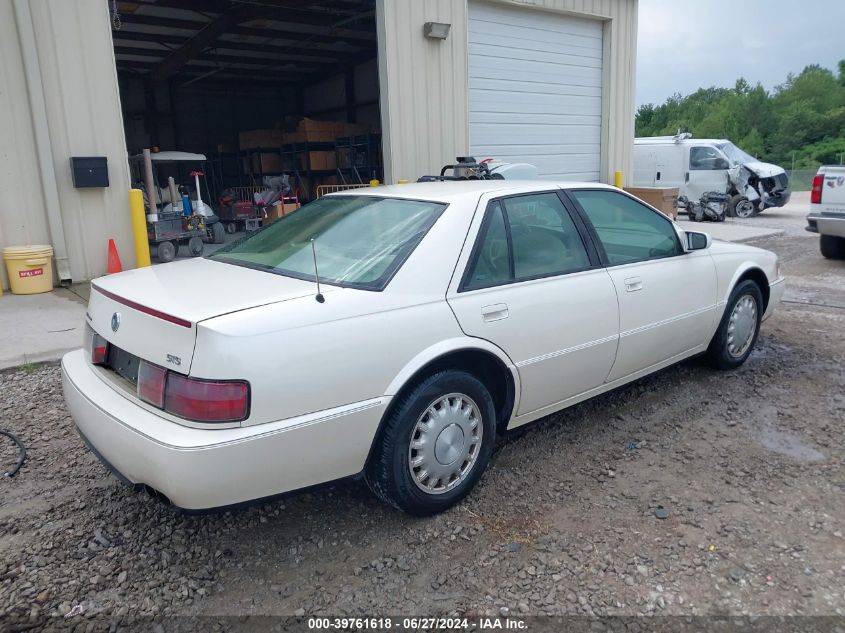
632 284
686 177
495 312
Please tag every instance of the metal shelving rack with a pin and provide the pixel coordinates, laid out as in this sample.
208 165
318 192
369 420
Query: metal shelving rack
298 157
358 158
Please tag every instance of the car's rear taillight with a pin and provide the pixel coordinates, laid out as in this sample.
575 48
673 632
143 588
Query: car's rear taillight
206 400
816 191
151 382
193 398
99 348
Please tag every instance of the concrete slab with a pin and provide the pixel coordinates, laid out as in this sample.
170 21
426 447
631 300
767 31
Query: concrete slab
729 230
37 328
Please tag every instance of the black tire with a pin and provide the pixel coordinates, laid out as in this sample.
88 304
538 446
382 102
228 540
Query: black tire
231 227
719 352
388 473
195 246
832 246
747 209
166 252
218 233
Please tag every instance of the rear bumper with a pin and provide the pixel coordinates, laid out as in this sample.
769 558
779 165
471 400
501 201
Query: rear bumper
776 289
826 224
201 469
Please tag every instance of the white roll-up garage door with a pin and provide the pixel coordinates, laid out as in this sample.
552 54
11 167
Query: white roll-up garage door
535 89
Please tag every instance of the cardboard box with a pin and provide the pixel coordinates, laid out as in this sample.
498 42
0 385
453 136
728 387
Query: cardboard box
289 138
278 210
312 131
267 163
319 161
664 199
261 139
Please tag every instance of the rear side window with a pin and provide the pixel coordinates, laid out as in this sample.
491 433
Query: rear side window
525 237
491 265
545 240
628 230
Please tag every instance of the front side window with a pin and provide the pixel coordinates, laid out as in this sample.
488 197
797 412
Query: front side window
705 158
526 237
361 241
628 230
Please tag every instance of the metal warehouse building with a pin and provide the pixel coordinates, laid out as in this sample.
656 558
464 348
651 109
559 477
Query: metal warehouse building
550 82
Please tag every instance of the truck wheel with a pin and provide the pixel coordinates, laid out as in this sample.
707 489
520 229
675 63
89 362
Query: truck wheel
218 233
832 246
741 207
166 252
231 227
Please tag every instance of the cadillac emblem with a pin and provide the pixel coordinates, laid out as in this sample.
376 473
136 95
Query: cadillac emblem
115 322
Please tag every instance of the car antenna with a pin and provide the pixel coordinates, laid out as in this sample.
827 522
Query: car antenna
320 298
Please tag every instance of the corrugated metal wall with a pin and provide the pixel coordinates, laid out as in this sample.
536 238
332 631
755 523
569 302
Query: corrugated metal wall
424 86
83 117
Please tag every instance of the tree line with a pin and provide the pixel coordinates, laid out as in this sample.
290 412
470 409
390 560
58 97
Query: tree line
801 119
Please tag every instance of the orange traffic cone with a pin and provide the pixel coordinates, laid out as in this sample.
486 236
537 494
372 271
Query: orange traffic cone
114 265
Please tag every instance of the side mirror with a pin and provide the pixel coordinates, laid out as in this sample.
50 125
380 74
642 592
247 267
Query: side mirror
696 241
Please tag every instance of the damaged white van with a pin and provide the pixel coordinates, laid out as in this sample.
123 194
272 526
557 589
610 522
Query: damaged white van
697 166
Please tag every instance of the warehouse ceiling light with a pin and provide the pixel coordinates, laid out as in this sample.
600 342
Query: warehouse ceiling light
436 30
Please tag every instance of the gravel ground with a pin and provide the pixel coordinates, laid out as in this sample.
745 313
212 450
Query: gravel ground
748 464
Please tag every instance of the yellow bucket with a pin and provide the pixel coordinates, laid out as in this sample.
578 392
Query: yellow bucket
30 268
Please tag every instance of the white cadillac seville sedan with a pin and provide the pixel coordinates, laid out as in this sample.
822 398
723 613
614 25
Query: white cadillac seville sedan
446 313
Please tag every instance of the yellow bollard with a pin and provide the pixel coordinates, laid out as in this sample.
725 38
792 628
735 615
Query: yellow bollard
139 228
374 183
618 179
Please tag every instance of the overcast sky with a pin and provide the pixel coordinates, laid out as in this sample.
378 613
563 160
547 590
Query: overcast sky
684 45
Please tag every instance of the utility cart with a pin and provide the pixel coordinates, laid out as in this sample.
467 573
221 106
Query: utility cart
185 168
171 230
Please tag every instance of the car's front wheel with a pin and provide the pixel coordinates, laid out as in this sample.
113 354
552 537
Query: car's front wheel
741 207
734 340
435 444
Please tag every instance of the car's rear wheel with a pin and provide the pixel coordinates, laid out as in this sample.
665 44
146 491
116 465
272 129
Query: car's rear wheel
435 444
737 334
832 246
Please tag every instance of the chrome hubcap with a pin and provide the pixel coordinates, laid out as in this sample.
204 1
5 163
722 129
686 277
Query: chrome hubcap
742 326
445 443
745 209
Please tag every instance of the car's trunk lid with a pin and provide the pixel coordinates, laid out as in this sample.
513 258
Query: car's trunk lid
152 313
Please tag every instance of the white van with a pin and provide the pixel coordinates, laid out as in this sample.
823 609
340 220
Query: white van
696 166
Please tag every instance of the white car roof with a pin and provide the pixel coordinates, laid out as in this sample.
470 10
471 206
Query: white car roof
451 190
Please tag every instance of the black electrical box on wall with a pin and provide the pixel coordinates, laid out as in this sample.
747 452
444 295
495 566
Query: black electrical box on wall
89 171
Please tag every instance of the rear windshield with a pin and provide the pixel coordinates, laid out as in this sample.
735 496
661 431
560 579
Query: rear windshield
361 241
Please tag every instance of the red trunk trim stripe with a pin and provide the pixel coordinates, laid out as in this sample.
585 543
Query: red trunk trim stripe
137 306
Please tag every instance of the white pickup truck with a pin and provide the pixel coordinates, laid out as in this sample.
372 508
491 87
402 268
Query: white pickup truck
827 210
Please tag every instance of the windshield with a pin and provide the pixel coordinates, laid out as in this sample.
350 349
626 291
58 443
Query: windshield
735 155
361 241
